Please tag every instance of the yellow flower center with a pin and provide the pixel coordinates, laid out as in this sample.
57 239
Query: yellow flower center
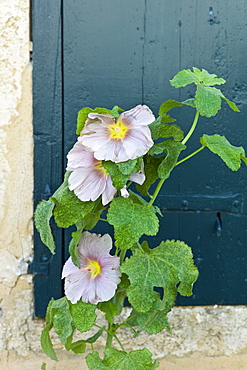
101 168
118 130
94 268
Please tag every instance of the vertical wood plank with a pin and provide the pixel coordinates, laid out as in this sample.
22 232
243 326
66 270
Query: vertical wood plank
103 56
47 107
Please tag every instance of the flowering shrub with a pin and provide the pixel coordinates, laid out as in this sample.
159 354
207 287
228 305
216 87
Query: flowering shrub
115 148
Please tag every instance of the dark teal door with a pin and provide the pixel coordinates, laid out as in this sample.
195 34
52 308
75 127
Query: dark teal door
102 53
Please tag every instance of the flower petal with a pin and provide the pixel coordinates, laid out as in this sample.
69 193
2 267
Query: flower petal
109 191
124 192
78 156
140 115
92 246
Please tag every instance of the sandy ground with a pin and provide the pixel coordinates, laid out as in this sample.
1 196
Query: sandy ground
72 362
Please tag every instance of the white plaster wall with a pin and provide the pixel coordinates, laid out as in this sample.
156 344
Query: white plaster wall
210 331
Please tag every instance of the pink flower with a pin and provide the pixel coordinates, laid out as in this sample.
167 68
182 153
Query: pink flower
98 276
121 139
89 180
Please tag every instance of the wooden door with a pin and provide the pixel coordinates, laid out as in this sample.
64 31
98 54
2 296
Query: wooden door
102 53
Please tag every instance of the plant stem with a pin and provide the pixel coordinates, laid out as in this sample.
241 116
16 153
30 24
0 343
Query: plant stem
192 128
122 255
103 219
156 192
191 155
109 337
122 347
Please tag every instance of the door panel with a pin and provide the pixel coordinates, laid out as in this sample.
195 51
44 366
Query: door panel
125 53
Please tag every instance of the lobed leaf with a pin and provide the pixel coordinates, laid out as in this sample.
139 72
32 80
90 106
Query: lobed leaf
183 78
160 129
118 178
83 315
206 78
207 99
169 266
219 145
173 150
187 77
121 172
131 221
119 360
42 216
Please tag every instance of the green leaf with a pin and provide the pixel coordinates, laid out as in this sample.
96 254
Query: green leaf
230 103
160 129
173 150
92 218
62 320
118 178
131 166
153 322
94 337
187 77
79 346
151 165
46 343
83 115
168 105
208 100
190 103
121 172
119 360
131 221
110 309
49 312
83 315
169 266
183 78
115 111
69 209
81 118
42 216
139 200
73 250
219 145
206 78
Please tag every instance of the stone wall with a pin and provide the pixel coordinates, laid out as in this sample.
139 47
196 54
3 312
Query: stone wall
211 331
